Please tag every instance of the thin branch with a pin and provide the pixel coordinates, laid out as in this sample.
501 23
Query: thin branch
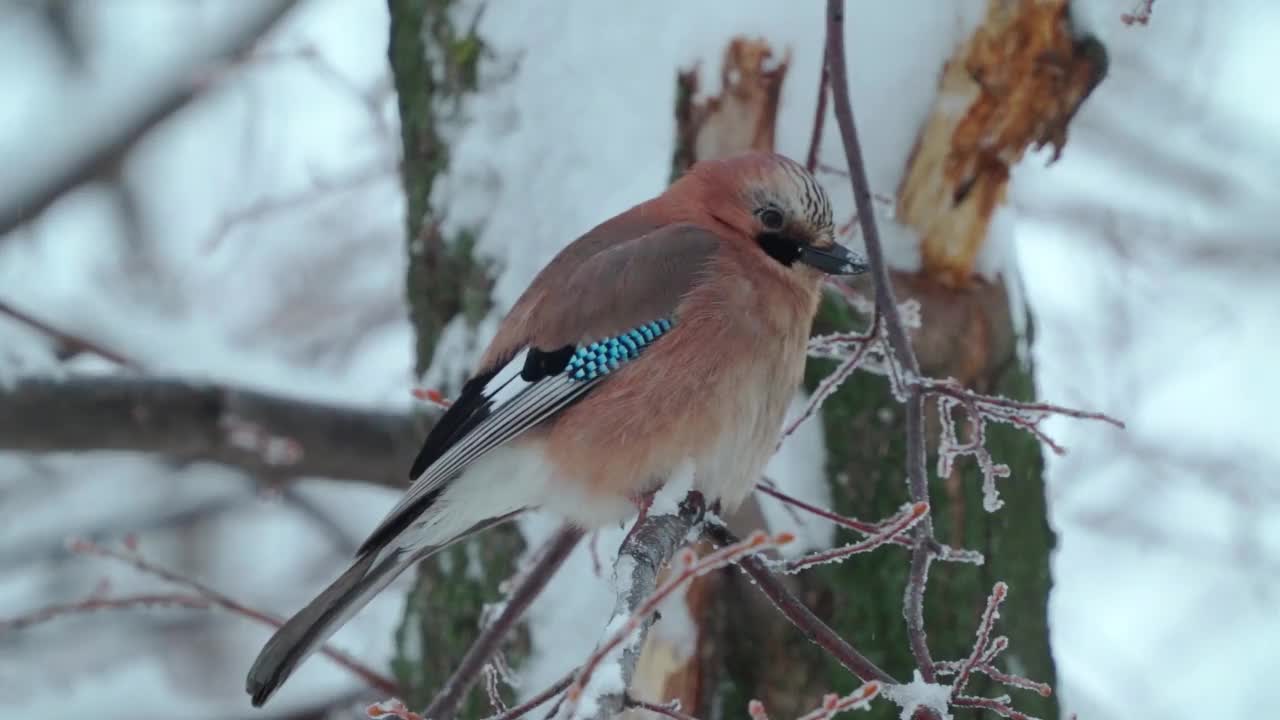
316 191
525 707
819 117
894 528
94 604
861 526
816 631
887 305
26 202
70 343
130 557
862 343
391 708
831 704
671 709
998 705
445 704
983 640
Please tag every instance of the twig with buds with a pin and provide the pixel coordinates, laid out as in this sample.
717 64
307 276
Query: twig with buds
212 598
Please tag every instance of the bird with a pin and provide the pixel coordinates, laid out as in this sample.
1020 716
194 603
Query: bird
674 333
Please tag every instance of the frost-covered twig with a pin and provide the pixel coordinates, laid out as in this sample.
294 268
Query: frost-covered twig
391 709
984 652
671 709
892 529
445 704
904 355
832 704
855 349
551 691
1024 415
129 556
998 705
983 640
943 552
982 410
816 631
862 526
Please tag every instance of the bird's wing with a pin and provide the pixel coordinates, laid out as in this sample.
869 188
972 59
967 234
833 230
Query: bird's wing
604 314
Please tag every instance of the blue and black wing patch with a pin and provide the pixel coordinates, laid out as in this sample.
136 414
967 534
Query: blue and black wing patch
497 406
601 358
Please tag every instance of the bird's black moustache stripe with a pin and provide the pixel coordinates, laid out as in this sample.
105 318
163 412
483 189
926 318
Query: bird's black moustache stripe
779 247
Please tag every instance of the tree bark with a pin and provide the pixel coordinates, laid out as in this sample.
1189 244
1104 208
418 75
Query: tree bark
434 61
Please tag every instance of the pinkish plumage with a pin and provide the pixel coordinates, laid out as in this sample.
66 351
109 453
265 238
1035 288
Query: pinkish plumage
730 256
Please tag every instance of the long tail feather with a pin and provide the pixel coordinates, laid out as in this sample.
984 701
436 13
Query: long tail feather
306 631
321 618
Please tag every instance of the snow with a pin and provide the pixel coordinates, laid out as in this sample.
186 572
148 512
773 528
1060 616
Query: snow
1146 256
919 694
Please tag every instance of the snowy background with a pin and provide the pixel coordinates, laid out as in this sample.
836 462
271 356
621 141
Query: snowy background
256 238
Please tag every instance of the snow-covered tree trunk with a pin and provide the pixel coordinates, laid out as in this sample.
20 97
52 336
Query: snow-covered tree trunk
434 59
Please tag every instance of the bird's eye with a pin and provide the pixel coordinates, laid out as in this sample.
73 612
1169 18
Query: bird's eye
771 218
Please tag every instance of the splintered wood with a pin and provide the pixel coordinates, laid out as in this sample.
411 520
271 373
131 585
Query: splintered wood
1015 84
742 116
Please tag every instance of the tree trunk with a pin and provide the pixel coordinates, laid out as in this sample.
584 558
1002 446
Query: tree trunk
955 179
744 649
434 62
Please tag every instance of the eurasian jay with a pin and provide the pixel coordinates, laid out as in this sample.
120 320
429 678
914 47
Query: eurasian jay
673 333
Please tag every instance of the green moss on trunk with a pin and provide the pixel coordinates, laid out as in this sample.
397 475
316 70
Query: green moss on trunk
435 63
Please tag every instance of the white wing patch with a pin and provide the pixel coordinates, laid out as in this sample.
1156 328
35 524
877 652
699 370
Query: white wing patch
514 406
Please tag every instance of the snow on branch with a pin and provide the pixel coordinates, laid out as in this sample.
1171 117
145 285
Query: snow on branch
599 688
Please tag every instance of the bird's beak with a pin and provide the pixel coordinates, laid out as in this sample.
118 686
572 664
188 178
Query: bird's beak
835 260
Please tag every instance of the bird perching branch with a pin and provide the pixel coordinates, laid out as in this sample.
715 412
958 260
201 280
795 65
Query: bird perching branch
647 548
923 552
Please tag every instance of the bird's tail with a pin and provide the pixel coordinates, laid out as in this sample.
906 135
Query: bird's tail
374 568
321 618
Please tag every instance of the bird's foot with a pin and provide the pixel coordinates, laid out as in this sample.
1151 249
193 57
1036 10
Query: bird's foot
643 503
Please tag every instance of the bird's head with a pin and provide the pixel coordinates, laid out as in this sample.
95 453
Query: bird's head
780 206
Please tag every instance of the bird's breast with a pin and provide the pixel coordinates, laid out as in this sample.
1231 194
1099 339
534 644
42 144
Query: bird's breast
713 392
749 404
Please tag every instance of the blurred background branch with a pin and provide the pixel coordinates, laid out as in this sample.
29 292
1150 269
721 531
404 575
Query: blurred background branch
103 150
